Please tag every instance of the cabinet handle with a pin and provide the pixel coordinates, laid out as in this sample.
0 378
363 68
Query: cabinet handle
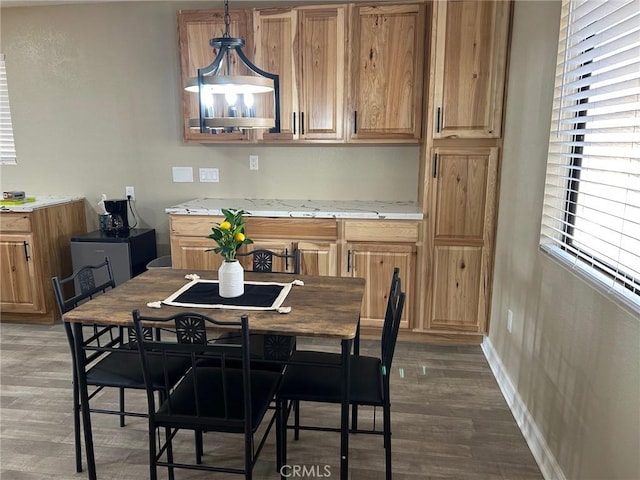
301 123
286 259
348 260
355 121
26 251
438 117
435 165
294 123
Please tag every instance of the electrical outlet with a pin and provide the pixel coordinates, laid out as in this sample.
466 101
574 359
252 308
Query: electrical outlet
509 321
128 191
253 162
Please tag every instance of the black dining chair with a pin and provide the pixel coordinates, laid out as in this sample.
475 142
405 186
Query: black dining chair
213 396
270 351
263 260
313 376
109 354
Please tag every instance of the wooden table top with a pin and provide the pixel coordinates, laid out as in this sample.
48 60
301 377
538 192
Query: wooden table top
323 307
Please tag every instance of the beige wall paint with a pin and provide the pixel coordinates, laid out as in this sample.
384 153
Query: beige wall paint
573 355
95 102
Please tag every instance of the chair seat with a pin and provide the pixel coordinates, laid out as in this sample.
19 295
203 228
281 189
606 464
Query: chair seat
123 369
183 410
319 383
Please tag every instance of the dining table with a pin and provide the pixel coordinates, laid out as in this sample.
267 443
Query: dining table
315 306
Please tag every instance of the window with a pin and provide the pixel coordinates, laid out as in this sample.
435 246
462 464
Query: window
591 215
7 146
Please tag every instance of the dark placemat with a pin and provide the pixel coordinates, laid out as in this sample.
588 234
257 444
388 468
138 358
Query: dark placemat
207 293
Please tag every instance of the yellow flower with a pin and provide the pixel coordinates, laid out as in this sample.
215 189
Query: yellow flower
239 237
225 225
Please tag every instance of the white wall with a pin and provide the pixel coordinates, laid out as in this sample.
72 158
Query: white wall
573 356
95 101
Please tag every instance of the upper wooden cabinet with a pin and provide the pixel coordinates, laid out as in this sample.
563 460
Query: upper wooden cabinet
387 58
306 48
469 40
195 29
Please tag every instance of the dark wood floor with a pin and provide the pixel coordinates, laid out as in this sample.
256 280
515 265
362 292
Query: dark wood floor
450 421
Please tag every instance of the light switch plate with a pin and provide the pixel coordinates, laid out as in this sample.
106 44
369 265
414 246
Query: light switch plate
182 174
209 175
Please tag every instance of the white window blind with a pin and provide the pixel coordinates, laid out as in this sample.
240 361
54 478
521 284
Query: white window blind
7 145
591 215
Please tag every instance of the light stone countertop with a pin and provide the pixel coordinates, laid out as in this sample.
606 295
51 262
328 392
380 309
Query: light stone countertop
357 209
41 201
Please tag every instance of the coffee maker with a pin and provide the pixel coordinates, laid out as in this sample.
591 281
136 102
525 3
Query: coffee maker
117 223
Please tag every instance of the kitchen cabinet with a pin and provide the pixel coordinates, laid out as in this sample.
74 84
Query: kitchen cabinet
305 46
470 45
35 246
317 236
362 248
387 78
195 29
318 258
463 222
459 168
372 249
21 289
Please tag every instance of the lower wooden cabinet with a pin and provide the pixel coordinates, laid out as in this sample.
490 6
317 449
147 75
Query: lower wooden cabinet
20 289
360 248
375 263
35 246
318 258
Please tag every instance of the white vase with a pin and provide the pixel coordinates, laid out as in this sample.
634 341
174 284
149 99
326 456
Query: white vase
231 279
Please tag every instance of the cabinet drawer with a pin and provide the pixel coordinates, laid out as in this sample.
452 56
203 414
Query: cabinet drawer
292 228
381 231
258 227
15 222
193 225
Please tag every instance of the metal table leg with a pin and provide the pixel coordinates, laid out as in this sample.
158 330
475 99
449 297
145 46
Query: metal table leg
344 414
81 361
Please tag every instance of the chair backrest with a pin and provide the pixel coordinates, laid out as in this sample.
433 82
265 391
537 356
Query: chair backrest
391 326
86 282
213 402
83 284
262 260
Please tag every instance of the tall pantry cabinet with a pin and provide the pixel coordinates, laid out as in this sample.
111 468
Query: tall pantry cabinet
460 163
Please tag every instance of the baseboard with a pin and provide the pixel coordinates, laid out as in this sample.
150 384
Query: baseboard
537 443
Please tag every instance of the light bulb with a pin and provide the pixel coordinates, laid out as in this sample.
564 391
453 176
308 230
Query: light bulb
231 99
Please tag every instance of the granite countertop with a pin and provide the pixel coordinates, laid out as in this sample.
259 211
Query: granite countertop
357 209
41 201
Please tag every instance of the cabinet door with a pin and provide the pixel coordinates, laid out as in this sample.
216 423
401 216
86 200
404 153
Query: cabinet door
191 253
306 48
19 288
195 29
463 216
387 72
471 53
274 37
322 67
375 263
318 258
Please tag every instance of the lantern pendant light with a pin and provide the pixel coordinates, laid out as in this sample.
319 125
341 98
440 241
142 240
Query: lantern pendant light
217 79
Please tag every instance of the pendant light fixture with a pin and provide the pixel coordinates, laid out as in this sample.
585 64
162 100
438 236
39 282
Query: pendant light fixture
239 91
